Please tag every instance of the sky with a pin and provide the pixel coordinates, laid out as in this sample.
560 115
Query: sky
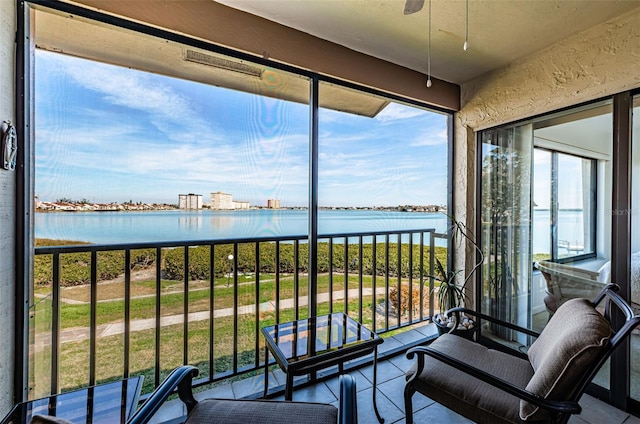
112 134
570 180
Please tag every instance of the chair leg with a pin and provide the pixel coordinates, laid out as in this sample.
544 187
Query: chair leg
408 407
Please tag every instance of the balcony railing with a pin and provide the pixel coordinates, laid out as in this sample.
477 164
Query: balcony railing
104 312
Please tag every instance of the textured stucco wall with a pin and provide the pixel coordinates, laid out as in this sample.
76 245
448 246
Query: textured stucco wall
7 203
593 64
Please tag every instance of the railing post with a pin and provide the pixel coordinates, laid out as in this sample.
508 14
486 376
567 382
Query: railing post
410 277
55 325
386 282
235 308
93 318
212 305
158 323
346 275
374 272
127 312
185 309
360 278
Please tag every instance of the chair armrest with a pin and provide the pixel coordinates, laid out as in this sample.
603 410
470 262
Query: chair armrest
179 378
458 310
570 407
348 413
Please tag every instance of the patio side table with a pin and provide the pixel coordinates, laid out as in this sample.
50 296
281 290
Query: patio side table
106 403
308 345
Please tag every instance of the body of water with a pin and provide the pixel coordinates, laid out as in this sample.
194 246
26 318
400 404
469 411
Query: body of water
182 225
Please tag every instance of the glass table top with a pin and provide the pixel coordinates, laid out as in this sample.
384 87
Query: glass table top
105 403
321 335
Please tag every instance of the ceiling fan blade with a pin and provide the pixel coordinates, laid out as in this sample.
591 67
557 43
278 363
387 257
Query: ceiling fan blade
413 6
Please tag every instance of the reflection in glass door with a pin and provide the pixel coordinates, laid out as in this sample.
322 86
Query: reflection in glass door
506 225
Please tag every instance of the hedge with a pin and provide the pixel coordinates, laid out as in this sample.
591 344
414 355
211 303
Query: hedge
76 267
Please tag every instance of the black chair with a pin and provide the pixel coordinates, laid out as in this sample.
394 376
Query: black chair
240 411
506 386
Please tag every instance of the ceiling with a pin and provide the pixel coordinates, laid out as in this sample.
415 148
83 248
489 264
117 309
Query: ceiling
500 31
71 35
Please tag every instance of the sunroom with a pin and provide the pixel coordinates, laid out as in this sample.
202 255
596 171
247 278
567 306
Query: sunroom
526 139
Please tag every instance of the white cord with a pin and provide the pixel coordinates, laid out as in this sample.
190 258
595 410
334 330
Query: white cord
429 51
466 35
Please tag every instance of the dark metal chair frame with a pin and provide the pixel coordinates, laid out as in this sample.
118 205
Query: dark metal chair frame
180 379
562 409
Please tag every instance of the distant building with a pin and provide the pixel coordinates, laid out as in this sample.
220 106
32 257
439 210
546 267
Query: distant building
238 204
273 203
190 201
222 201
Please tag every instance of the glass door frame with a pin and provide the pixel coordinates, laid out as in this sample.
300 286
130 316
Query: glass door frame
619 393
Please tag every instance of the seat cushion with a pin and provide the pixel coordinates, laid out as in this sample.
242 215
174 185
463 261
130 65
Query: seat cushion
467 395
574 337
226 411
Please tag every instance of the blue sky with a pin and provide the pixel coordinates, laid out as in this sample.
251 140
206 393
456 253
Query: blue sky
570 181
111 134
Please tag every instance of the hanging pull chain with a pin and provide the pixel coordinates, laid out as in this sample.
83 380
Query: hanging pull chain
429 51
466 34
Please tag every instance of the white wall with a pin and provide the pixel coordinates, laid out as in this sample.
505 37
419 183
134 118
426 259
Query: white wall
7 205
596 63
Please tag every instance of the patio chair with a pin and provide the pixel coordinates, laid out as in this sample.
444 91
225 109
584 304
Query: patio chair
240 411
566 282
507 386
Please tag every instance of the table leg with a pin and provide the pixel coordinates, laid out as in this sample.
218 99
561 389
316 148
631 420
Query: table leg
266 372
375 379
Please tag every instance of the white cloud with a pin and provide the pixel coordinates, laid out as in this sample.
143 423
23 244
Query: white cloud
169 111
430 138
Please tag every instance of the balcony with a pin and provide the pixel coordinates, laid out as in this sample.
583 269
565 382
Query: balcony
106 312
204 302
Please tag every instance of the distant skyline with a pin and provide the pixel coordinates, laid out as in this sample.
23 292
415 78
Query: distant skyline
112 134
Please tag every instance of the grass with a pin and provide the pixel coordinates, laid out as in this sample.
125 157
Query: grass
109 359
74 371
172 297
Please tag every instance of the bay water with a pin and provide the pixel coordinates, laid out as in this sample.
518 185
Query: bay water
188 225
183 225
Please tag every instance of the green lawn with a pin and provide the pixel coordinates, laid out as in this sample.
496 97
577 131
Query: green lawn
73 367
109 311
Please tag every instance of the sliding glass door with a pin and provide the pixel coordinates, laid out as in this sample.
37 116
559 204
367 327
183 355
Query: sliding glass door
505 219
554 208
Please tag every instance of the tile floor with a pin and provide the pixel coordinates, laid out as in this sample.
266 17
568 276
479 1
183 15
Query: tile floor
390 386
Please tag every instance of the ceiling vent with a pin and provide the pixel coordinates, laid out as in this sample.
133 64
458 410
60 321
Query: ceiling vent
217 62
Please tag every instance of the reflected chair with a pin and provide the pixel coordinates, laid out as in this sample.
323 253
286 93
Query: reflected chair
566 282
544 385
240 411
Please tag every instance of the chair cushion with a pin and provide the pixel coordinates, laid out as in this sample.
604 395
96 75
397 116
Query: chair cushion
573 338
229 411
467 395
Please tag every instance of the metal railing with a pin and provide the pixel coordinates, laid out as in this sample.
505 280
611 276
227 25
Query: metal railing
104 312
